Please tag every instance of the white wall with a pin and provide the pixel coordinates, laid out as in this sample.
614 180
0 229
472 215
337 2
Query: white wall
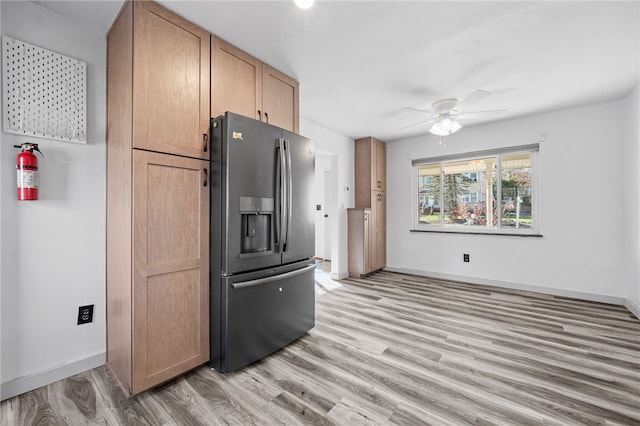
581 208
631 166
53 250
331 143
1 222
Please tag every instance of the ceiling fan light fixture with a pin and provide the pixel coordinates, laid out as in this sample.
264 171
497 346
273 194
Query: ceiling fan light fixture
304 4
445 127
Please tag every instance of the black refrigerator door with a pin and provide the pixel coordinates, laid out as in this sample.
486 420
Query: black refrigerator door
249 194
301 235
265 311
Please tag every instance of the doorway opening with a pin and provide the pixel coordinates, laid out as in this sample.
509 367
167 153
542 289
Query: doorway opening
326 195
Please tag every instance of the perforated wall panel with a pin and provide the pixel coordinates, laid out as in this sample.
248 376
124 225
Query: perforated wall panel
43 93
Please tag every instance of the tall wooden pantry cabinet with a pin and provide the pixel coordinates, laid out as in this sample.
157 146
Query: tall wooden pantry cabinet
367 222
157 196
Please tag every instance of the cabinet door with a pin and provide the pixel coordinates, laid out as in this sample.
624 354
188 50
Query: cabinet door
170 83
367 241
359 244
381 165
236 81
279 99
378 230
381 203
363 173
171 267
373 161
378 166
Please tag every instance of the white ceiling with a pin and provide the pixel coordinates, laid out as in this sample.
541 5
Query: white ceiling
361 63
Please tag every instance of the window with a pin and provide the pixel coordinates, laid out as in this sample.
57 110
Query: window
488 192
470 197
472 176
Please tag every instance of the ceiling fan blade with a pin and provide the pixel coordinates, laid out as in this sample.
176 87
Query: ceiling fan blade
418 109
422 123
478 114
473 98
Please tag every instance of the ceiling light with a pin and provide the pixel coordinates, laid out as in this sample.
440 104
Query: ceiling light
445 126
304 4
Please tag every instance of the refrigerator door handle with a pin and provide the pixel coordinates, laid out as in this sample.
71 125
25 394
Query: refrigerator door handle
281 195
289 201
253 283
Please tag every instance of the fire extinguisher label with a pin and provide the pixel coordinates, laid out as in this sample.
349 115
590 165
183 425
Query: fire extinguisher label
27 179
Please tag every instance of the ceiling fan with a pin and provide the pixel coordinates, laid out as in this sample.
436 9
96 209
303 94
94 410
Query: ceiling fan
447 112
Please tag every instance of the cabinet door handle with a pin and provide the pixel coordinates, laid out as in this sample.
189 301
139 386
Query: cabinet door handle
259 115
266 116
206 177
205 139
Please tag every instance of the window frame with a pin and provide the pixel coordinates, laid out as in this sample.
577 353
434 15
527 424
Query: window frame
533 149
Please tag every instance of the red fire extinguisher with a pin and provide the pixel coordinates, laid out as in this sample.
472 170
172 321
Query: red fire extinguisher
27 171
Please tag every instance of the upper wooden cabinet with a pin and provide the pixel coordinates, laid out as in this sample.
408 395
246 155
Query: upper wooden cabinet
170 76
242 84
378 165
370 164
279 99
236 80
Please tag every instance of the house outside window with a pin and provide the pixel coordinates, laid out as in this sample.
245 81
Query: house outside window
491 192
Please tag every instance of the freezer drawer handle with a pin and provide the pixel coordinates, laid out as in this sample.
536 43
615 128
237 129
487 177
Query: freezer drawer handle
252 283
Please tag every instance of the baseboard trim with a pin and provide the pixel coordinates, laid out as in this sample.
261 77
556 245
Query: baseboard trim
33 381
339 276
592 297
635 309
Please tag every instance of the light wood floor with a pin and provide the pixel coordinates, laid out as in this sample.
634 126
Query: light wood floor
395 349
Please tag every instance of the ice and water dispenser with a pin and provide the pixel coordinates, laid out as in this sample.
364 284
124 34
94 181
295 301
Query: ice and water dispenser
257 217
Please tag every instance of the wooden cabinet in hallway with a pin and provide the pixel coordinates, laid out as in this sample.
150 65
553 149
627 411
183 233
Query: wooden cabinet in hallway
367 222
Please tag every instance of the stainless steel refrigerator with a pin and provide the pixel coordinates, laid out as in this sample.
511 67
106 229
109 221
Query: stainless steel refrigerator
262 240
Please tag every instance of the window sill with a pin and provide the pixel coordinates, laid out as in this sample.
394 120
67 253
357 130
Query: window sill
502 234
